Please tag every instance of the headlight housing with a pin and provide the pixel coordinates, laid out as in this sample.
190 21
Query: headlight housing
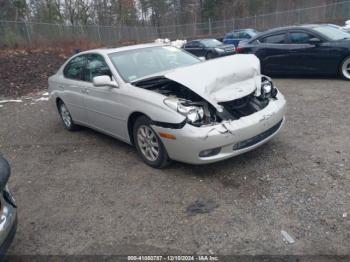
267 88
193 113
219 50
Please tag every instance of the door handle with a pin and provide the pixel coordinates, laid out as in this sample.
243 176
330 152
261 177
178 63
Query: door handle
85 91
61 87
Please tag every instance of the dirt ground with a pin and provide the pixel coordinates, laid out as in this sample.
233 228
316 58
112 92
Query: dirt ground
15 78
86 193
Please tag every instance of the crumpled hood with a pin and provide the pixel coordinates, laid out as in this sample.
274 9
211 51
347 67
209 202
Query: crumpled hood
220 80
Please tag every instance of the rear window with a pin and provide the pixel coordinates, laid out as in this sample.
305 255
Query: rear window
274 39
244 35
332 33
232 35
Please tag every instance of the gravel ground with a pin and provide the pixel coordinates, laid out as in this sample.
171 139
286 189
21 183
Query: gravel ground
86 193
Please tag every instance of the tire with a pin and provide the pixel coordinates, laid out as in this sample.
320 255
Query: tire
66 117
148 145
345 68
209 56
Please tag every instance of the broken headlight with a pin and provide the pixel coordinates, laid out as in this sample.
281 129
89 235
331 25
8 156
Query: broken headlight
193 112
267 88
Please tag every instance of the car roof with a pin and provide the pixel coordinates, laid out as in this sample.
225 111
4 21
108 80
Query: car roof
278 29
109 50
203 39
306 26
243 29
240 30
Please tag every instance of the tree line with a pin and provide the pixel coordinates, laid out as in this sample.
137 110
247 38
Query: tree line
141 12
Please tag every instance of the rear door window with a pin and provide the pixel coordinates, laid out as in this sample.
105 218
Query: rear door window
300 37
75 67
274 39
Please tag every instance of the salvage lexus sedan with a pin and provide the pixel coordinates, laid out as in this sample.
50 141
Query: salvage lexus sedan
302 50
168 103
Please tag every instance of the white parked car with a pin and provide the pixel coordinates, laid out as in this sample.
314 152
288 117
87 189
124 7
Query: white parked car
347 26
168 103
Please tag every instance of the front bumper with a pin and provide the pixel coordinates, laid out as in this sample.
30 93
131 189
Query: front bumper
8 225
233 137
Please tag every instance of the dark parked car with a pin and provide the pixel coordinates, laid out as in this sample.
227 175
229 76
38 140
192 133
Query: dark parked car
236 36
8 210
209 48
302 50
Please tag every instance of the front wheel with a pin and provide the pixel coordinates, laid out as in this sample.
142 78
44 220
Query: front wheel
345 68
148 144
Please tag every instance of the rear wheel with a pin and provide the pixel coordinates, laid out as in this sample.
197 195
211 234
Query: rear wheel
209 55
345 68
66 117
148 144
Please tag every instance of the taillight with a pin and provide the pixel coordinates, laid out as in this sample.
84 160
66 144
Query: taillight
239 49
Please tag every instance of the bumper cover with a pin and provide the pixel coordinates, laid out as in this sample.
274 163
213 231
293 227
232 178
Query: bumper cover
233 137
8 226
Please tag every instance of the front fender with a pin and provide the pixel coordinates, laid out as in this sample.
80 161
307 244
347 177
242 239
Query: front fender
151 104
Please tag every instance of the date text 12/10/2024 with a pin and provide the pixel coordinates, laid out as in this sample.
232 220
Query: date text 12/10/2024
173 258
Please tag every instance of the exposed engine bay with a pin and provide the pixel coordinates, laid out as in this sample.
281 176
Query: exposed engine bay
199 111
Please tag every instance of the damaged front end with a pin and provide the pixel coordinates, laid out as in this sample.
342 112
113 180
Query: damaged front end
181 99
227 111
198 111
250 104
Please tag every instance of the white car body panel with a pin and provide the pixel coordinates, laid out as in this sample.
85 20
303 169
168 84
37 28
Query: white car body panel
109 109
220 80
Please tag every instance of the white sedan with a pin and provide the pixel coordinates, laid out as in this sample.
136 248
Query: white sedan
168 103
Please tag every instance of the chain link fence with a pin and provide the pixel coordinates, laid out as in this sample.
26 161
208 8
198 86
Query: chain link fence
29 33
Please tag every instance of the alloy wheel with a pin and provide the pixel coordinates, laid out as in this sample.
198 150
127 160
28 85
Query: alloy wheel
346 68
67 119
148 143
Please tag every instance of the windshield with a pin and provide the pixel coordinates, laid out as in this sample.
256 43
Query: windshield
332 32
210 42
138 63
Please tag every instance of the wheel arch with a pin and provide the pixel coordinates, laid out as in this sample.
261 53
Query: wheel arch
342 60
209 52
131 121
58 101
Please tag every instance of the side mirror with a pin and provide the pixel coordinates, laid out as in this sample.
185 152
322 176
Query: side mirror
5 172
314 41
104 80
202 58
